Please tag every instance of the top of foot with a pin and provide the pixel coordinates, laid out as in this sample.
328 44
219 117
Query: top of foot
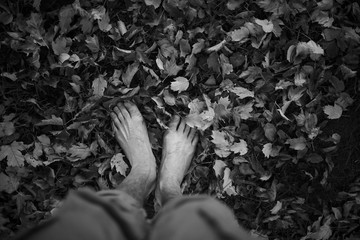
131 133
179 146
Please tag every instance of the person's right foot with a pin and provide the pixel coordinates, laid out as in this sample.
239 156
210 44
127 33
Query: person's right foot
178 150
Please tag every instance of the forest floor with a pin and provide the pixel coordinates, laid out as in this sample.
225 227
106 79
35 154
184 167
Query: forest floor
272 86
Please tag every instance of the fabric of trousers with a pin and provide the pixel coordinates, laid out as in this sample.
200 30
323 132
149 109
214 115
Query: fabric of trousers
114 215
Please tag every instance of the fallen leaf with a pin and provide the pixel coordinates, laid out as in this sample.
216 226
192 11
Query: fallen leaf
9 184
217 47
11 76
225 64
180 84
267 148
98 85
79 151
93 43
104 22
6 129
333 112
219 167
129 74
13 154
219 139
266 25
118 162
242 92
66 15
155 3
59 46
276 208
239 34
239 147
52 121
297 143
171 68
270 131
228 183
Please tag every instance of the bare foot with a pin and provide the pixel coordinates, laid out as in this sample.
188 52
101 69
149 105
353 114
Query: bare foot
131 133
178 150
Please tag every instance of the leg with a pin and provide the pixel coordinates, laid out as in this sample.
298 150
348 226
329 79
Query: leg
196 217
112 214
131 133
178 150
191 217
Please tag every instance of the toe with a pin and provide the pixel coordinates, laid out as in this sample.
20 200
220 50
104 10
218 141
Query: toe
174 122
123 110
192 133
118 114
187 129
132 109
181 126
195 139
115 119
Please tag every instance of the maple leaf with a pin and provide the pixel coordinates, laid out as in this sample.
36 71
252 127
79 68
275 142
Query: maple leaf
118 162
9 184
219 139
239 147
171 68
270 150
243 111
79 152
13 154
59 46
333 112
180 84
98 85
239 35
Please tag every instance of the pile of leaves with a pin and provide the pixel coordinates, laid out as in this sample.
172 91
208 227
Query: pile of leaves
259 79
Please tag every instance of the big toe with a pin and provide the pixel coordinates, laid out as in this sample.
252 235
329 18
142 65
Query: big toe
132 108
174 123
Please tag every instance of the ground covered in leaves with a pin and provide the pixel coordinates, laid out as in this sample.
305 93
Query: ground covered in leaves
272 87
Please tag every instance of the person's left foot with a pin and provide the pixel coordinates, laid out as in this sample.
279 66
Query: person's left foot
131 133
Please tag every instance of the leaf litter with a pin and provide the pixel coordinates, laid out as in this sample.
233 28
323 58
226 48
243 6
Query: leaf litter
261 80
